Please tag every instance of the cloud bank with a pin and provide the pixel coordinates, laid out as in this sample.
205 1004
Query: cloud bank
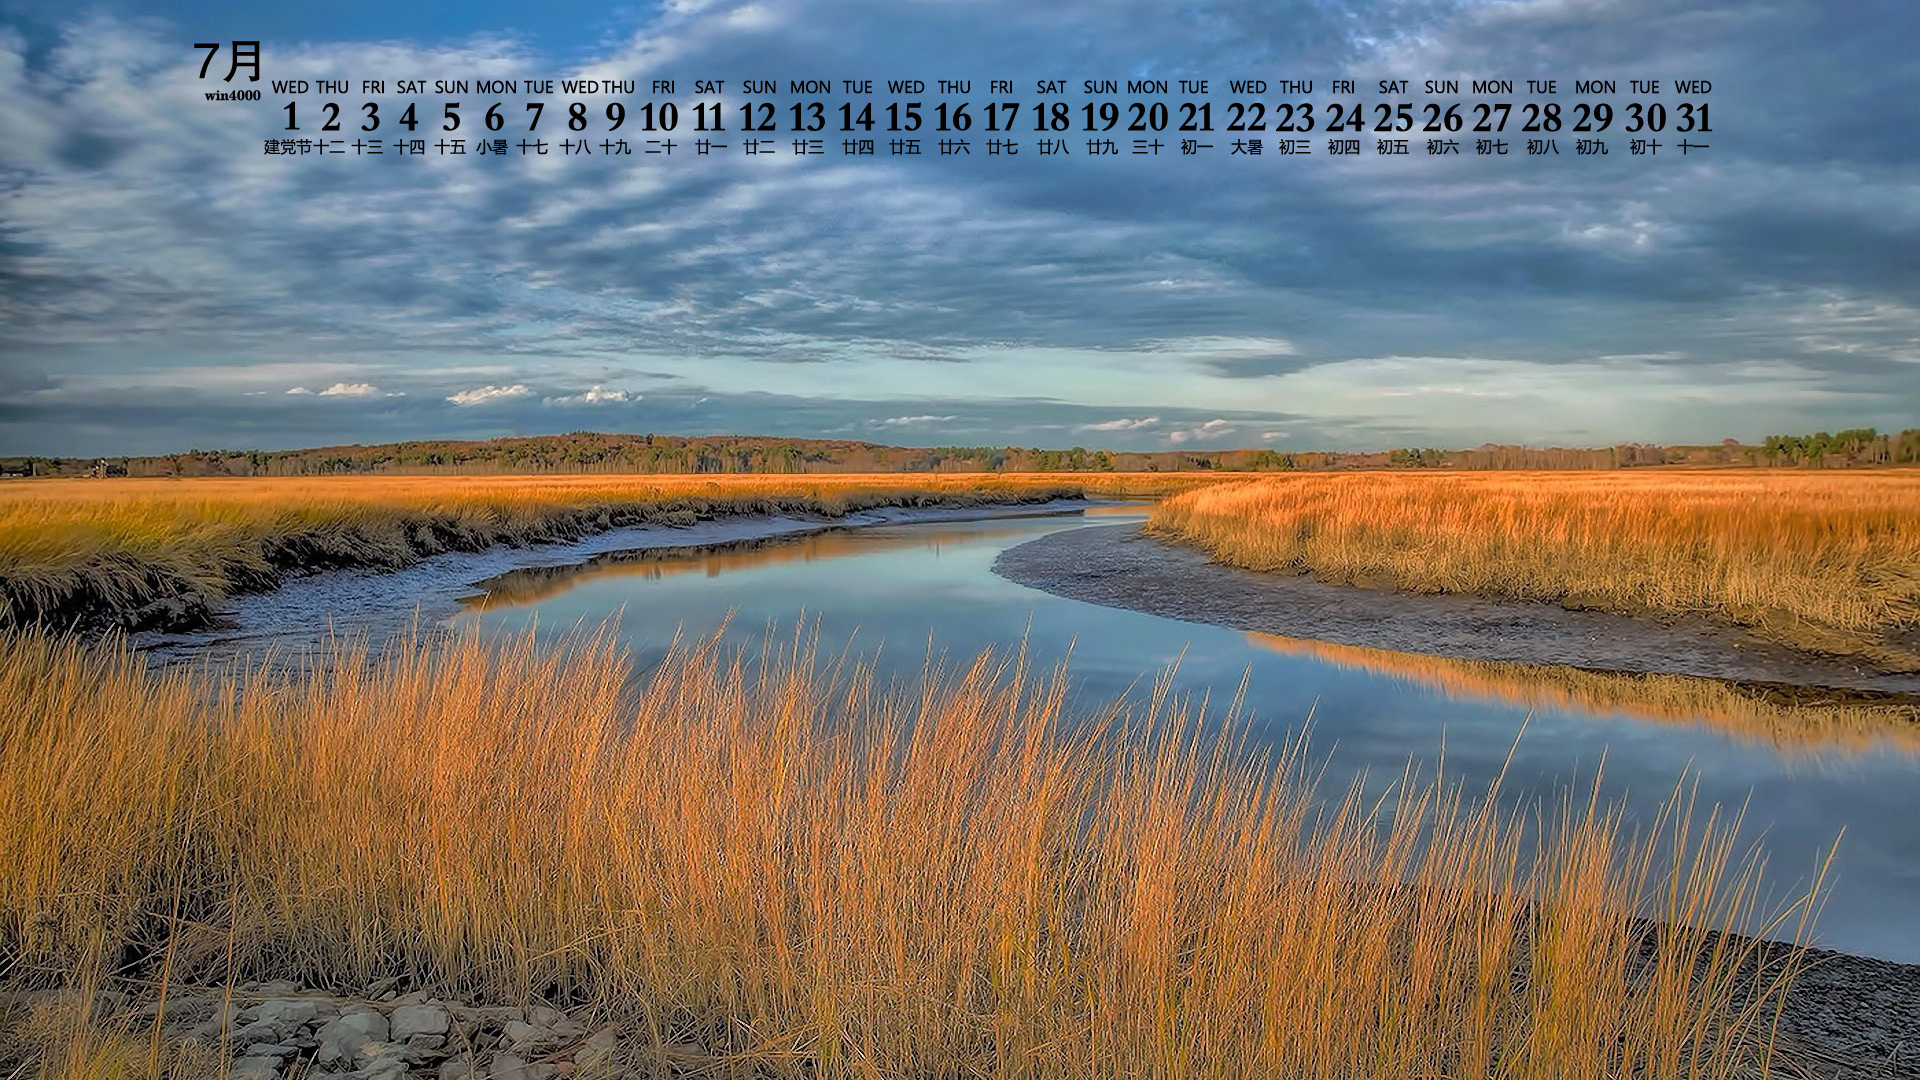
163 282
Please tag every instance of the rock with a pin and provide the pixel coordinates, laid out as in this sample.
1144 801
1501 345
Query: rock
279 988
223 1018
458 1068
389 1063
263 1031
521 1035
256 1068
596 1056
289 1015
406 1021
348 1037
267 1049
555 1021
509 1067
426 1048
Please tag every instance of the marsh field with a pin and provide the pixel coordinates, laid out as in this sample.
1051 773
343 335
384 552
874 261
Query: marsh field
1400 775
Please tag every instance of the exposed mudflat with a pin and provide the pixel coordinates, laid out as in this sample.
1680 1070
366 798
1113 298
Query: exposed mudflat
373 605
1853 1016
1120 566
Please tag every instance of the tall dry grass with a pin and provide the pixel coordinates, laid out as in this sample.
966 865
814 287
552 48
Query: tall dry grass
97 550
1829 561
810 873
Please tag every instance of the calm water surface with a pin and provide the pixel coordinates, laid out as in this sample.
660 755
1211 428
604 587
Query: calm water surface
897 588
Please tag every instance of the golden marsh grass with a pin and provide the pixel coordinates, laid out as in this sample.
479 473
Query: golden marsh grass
807 872
73 547
1826 561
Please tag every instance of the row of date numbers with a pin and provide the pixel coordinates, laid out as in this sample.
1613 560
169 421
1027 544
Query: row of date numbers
1059 116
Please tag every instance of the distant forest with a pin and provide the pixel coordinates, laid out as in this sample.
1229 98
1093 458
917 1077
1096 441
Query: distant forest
596 453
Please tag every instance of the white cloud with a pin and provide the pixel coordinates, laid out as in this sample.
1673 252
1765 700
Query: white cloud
913 421
1212 429
564 271
481 395
1217 347
1122 424
593 396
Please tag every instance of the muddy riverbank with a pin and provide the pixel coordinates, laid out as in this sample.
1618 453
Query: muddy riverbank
1847 1017
1120 566
373 604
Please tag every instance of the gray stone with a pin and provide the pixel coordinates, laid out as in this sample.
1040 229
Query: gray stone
294 1012
407 1021
222 1019
349 1037
389 1063
510 1067
281 1021
263 1031
267 1049
555 1021
256 1068
521 1035
458 1068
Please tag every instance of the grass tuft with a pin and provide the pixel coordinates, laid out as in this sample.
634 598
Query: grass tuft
803 870
1825 561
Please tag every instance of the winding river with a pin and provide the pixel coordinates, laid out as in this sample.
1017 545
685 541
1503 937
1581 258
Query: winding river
902 589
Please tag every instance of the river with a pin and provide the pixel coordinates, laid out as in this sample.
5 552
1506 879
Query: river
903 589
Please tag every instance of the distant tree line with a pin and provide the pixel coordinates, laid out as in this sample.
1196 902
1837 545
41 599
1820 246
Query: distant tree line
1856 446
588 452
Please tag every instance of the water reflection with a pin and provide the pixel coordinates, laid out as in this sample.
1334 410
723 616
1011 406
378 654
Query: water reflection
534 584
899 593
1793 719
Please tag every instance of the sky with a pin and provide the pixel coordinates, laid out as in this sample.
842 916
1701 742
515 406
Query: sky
166 285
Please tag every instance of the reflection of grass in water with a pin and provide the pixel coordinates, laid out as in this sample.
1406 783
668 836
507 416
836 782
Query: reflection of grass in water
73 547
1810 719
1824 561
532 584
809 873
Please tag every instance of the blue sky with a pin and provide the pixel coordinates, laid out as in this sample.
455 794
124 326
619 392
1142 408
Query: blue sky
163 284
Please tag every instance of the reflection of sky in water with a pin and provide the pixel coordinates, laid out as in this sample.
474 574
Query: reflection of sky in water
900 587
